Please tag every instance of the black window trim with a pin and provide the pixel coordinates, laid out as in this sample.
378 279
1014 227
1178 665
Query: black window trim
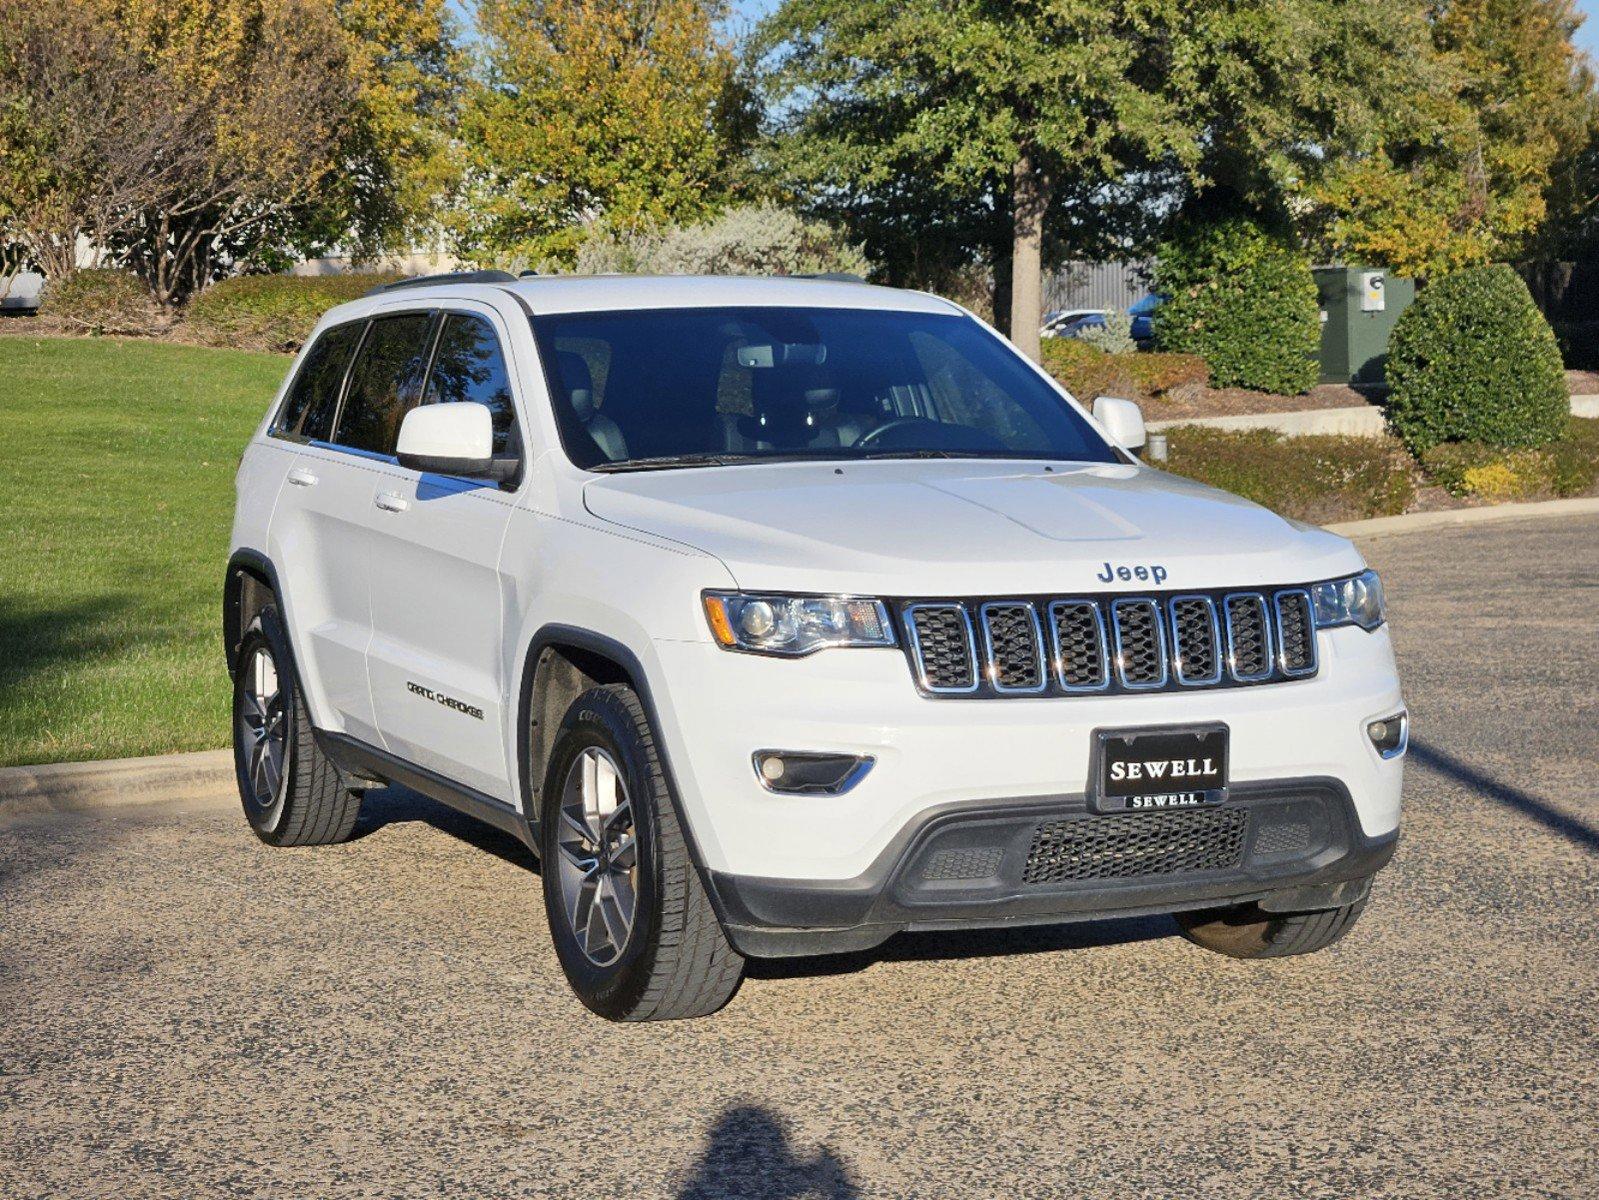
432 313
294 435
439 312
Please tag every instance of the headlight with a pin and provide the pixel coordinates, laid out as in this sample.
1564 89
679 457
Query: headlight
794 625
1353 601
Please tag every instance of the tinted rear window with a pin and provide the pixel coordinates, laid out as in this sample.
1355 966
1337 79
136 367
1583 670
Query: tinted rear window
385 382
315 388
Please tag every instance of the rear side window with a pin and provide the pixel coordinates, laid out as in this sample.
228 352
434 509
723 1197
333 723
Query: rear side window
385 382
470 366
315 389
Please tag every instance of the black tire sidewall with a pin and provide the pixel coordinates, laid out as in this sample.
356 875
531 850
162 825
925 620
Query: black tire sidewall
598 719
266 631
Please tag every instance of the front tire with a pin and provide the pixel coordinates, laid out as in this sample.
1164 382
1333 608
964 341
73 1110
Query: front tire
292 794
632 925
1248 931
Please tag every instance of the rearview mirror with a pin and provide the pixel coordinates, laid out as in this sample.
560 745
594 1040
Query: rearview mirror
447 439
1123 420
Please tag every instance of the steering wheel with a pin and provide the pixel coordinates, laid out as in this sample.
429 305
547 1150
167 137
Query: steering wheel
872 436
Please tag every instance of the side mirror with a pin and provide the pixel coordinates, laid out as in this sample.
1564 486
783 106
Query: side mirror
447 439
1123 420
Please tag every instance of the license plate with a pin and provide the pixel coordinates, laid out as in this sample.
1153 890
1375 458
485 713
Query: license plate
1149 769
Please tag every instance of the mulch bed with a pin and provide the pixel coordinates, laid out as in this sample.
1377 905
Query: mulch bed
1227 402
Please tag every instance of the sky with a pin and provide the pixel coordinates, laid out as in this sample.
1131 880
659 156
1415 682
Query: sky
1588 35
749 11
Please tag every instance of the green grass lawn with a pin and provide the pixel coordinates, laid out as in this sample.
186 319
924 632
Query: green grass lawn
116 497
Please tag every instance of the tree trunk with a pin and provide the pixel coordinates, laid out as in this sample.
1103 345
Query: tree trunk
1029 203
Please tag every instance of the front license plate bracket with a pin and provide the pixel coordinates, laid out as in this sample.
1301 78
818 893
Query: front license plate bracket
1159 767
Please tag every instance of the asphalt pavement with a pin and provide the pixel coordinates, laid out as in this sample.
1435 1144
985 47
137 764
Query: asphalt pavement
185 1012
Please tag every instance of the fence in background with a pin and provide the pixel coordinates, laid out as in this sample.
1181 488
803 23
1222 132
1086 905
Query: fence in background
1097 284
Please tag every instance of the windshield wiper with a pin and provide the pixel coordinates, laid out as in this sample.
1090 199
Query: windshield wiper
674 460
909 454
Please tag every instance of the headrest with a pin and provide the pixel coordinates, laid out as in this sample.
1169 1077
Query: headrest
792 391
574 369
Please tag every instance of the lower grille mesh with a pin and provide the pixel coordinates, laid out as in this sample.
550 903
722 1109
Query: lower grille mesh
1136 845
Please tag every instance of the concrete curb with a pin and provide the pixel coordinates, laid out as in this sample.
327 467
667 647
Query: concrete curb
1417 522
1358 421
204 778
1361 421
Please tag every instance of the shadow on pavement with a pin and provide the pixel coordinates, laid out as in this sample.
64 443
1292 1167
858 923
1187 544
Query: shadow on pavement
1528 805
749 1156
970 943
395 805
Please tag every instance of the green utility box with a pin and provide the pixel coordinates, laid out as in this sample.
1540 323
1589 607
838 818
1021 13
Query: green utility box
1359 306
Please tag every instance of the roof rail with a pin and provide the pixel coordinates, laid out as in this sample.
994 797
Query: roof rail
447 277
832 276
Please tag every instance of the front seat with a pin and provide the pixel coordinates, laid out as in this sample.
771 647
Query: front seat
607 434
793 408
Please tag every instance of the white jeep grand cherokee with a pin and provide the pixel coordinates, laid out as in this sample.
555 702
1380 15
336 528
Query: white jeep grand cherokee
780 615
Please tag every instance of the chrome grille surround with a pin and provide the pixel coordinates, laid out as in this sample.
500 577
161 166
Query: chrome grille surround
1115 643
1196 653
1017 666
1081 665
1249 658
934 666
1296 633
1140 637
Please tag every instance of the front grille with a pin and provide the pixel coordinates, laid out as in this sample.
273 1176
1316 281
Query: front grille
1135 846
1108 644
941 643
1248 637
1013 647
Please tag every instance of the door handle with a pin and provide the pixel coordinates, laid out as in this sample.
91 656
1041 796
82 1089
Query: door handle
300 477
391 502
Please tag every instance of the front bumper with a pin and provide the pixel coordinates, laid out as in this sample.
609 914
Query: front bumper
717 709
1293 845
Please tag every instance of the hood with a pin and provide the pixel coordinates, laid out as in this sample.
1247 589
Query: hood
937 528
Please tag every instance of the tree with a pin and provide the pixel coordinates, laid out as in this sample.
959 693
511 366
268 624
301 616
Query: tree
88 137
1464 178
270 84
622 112
1007 115
408 74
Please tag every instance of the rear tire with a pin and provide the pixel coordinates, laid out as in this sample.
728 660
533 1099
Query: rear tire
292 794
632 925
1248 931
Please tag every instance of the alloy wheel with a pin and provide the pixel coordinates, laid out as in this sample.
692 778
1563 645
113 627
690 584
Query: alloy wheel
263 734
598 856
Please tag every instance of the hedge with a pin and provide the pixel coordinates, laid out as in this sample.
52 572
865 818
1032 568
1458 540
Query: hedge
102 300
1317 478
1086 371
270 312
1567 467
1243 301
1473 360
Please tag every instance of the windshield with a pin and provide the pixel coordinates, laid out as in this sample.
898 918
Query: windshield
713 386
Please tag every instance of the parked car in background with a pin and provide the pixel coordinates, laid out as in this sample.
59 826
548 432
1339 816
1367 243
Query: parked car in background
1143 315
1069 322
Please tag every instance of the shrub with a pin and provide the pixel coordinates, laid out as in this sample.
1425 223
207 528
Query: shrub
1086 371
1115 336
101 300
1315 478
270 312
1244 302
1568 467
1473 360
751 240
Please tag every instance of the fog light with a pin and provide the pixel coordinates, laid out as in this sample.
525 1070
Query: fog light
1390 735
800 772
